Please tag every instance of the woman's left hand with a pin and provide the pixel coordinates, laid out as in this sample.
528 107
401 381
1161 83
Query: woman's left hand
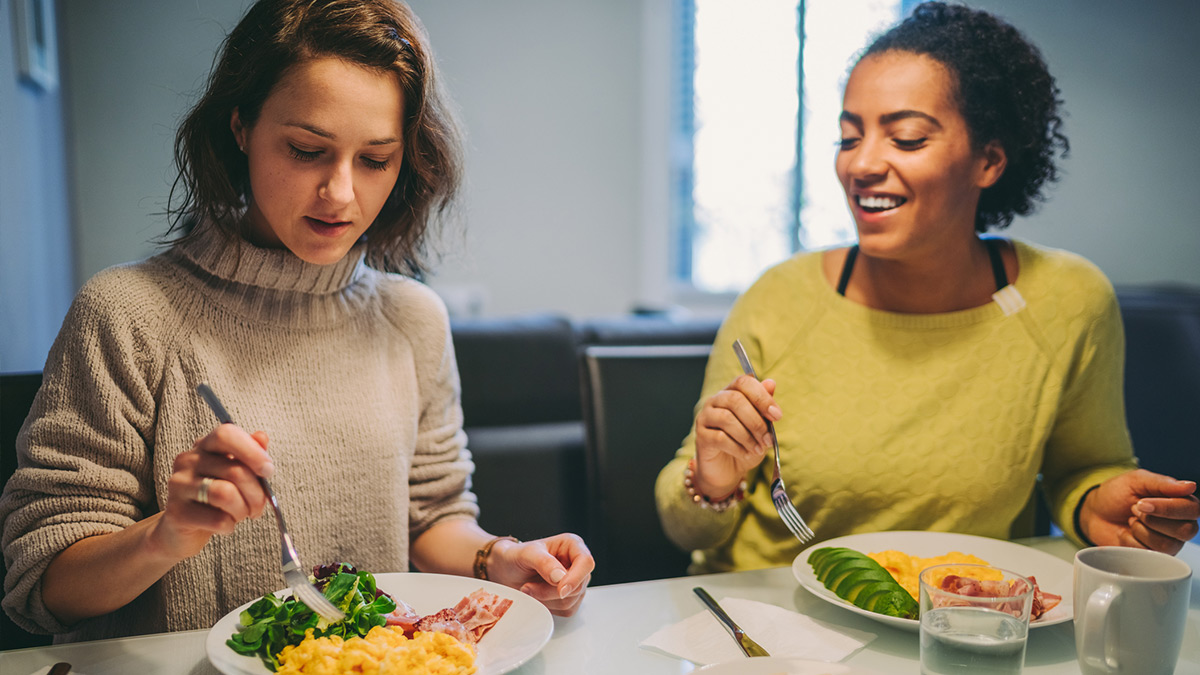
555 570
1141 509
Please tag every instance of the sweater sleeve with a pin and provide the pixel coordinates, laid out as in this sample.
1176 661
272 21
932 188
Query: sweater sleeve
685 523
1089 441
83 454
441 472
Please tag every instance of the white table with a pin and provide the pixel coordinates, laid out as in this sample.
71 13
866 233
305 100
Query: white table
603 637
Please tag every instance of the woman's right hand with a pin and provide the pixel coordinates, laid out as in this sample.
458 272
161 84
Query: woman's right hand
732 435
230 461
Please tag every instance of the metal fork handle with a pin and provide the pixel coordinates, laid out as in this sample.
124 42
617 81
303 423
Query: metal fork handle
290 556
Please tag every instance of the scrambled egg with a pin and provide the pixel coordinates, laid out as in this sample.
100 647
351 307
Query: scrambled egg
907 568
384 650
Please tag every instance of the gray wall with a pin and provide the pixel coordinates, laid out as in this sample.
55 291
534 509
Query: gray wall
37 277
565 106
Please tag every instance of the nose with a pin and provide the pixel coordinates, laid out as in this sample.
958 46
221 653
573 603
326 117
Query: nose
338 186
868 163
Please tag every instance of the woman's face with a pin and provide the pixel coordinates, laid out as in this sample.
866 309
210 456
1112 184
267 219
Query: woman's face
911 178
324 155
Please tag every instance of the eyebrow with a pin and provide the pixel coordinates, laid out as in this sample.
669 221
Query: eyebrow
327 134
891 117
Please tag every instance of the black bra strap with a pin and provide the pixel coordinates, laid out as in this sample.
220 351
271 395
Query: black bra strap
847 268
993 249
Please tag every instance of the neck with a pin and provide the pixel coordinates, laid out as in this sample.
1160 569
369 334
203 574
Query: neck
956 277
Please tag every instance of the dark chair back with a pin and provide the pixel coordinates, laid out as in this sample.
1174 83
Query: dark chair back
16 397
638 403
1162 378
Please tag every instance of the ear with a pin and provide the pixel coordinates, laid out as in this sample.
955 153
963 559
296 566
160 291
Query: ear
239 130
992 161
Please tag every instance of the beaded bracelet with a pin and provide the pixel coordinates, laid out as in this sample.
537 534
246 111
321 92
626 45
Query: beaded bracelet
481 556
703 501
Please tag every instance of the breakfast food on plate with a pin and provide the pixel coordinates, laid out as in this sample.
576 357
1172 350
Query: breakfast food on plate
861 581
843 571
272 625
385 649
906 569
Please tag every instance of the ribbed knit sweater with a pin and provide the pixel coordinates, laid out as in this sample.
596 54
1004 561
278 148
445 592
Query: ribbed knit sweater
937 422
351 373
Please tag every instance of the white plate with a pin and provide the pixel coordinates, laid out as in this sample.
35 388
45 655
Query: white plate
517 637
776 665
1053 574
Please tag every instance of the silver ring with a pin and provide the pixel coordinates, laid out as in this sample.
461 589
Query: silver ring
202 493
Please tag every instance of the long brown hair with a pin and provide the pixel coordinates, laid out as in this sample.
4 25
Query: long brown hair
213 181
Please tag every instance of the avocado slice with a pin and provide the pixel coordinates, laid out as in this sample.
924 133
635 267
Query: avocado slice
845 582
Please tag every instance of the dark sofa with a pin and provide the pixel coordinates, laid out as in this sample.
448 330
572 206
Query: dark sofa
522 409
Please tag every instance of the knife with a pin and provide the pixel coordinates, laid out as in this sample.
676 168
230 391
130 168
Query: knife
749 647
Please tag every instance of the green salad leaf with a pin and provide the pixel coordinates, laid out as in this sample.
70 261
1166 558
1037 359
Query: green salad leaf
272 623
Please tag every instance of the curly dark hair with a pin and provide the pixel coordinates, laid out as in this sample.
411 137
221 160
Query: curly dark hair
1004 91
214 182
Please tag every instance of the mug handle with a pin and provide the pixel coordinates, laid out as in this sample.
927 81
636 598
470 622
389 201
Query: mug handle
1095 652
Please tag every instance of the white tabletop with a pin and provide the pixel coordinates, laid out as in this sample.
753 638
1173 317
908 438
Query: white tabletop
603 636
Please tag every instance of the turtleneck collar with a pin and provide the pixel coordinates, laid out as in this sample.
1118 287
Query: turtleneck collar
274 269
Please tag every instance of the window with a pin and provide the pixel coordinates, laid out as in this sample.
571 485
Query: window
742 201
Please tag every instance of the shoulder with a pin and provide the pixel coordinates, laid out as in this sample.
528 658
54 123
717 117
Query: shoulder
413 308
1065 289
1061 276
129 293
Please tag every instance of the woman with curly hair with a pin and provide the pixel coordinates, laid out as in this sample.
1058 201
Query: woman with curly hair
925 377
310 169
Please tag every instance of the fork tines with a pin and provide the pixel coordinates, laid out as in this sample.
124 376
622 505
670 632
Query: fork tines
789 515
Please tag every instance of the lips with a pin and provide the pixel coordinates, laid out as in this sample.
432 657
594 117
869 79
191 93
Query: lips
878 203
327 227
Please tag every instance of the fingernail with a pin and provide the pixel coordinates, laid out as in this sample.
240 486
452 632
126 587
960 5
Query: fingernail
556 576
268 470
1145 507
527 588
775 412
565 591
766 441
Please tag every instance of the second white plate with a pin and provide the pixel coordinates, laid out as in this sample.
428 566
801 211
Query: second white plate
1053 575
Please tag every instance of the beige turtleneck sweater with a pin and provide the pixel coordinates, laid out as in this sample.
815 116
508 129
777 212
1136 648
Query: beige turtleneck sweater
351 372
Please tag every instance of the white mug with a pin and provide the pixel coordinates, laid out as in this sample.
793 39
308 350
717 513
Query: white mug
1130 609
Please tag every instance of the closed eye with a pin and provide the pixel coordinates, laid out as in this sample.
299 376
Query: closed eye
909 144
303 155
847 143
377 164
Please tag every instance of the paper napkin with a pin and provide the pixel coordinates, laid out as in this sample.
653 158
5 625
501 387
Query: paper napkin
702 639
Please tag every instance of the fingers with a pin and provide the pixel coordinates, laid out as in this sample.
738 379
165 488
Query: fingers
236 489
563 565
1179 528
233 441
741 411
1150 484
1145 537
1179 508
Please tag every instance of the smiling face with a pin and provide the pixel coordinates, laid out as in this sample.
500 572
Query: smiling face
324 155
911 177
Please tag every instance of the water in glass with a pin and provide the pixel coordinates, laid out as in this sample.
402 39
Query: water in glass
958 640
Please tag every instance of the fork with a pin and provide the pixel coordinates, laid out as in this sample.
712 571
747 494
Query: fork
783 504
293 572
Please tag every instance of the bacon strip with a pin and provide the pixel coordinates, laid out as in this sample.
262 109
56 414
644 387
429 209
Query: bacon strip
1042 601
480 610
467 621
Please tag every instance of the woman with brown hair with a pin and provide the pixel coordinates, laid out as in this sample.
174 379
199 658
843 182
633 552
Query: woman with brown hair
310 171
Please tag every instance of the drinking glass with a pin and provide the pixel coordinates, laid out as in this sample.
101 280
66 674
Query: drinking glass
974 620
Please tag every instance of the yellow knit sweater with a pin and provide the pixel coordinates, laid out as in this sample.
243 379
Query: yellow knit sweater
936 422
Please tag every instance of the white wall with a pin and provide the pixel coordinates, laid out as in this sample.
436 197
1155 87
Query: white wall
564 102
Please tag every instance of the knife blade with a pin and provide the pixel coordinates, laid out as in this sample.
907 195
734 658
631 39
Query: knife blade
749 647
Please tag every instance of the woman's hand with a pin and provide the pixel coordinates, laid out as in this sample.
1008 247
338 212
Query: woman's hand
1141 509
212 488
732 436
555 570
